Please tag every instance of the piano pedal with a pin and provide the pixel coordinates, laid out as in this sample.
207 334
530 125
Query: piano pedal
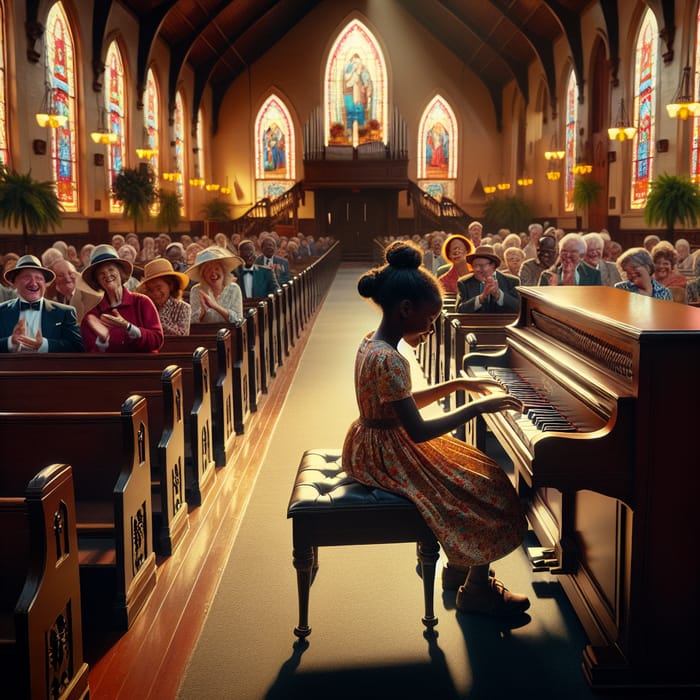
543 558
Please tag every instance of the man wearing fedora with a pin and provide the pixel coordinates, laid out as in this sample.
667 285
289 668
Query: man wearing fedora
486 290
31 323
254 280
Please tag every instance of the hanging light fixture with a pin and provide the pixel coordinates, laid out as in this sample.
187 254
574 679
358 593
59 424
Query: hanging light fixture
48 115
684 104
225 189
146 152
622 128
552 172
212 187
502 186
524 181
102 134
554 152
582 167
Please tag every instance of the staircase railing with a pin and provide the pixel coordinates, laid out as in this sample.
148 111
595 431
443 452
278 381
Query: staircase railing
264 214
432 214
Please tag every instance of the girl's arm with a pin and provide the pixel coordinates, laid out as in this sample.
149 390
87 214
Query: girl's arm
420 430
424 397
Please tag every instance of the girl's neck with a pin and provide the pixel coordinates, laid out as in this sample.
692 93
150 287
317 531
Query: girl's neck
388 333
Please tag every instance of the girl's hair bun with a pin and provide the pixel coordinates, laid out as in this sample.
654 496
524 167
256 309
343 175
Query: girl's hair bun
404 256
367 284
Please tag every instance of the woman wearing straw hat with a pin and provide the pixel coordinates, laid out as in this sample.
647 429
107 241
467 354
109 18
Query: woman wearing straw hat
216 297
164 287
123 321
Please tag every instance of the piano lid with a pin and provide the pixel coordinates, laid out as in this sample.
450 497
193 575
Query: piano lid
633 314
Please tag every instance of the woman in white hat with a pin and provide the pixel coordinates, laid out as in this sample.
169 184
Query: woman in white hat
123 321
216 297
164 287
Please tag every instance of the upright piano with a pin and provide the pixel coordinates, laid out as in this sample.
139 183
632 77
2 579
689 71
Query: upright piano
606 458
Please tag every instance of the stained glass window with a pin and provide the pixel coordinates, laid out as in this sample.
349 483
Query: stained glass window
695 143
200 144
274 141
179 127
570 142
437 141
644 110
60 65
4 150
355 88
151 119
115 108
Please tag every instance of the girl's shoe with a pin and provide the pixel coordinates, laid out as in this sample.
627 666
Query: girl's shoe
454 576
493 599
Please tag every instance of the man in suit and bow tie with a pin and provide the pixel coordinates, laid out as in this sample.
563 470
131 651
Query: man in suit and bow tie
254 280
486 290
31 323
278 265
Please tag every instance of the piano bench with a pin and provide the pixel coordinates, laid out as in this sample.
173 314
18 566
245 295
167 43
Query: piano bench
328 508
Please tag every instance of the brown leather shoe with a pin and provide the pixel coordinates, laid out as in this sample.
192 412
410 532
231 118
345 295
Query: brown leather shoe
494 599
454 576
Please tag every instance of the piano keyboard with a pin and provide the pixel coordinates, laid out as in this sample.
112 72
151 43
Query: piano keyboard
539 414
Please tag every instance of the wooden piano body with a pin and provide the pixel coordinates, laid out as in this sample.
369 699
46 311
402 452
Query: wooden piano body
618 500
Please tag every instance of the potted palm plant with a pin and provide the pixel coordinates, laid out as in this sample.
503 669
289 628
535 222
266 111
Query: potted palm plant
28 203
169 213
672 199
136 190
216 209
507 212
586 192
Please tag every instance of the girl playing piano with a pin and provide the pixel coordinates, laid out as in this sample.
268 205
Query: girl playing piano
464 496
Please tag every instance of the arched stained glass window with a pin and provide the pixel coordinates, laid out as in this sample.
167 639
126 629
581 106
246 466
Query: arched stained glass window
355 89
646 53
274 141
199 164
570 141
115 107
437 141
4 147
179 128
60 65
151 119
695 142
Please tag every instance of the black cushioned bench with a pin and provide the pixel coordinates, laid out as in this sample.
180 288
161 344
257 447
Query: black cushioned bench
328 507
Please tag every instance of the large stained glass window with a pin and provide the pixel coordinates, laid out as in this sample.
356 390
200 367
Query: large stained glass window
274 141
355 88
570 141
4 149
115 108
60 65
179 128
646 53
437 141
695 143
151 120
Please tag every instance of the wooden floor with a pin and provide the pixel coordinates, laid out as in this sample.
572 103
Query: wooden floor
148 661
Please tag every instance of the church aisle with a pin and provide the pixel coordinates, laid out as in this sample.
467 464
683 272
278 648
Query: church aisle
366 602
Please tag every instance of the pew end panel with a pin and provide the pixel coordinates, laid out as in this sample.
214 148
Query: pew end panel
203 465
171 520
41 652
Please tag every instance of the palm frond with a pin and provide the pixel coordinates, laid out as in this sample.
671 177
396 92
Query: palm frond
672 199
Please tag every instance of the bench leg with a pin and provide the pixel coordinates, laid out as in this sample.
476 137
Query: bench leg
305 562
428 554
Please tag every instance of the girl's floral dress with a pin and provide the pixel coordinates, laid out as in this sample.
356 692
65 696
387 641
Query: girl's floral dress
464 496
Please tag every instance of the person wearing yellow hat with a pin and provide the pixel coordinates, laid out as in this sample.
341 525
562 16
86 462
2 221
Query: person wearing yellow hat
164 286
123 321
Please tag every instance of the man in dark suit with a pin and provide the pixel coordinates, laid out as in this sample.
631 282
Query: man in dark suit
254 280
278 265
31 323
486 290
